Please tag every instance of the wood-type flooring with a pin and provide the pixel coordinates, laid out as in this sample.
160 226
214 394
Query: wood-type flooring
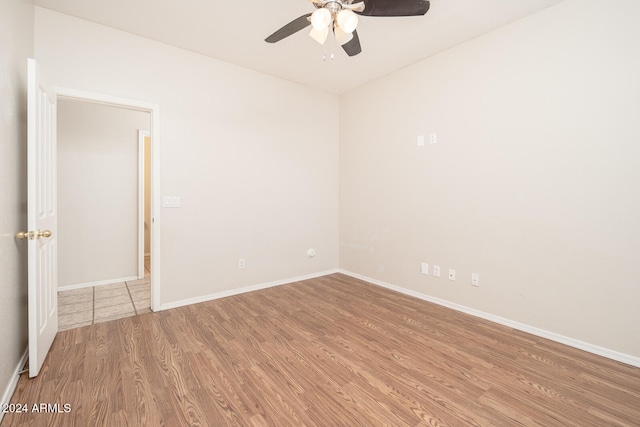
331 351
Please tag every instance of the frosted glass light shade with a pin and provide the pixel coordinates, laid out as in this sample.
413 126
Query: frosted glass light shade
341 36
319 35
320 19
347 20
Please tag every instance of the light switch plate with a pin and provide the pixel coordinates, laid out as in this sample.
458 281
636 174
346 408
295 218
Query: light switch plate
171 202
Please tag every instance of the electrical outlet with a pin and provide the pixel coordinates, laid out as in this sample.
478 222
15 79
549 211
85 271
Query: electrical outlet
241 263
475 279
452 274
436 270
424 268
433 138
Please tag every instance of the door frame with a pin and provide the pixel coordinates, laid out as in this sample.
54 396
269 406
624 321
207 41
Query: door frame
142 134
154 111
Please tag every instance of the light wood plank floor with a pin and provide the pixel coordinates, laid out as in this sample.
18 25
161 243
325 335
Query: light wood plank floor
332 351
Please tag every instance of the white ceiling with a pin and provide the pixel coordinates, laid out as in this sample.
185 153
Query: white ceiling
234 31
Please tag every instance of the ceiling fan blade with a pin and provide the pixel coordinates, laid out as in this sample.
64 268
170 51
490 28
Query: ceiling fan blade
291 28
352 47
395 7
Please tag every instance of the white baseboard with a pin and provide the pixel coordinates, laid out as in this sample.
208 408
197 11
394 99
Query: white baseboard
99 283
600 351
246 289
11 387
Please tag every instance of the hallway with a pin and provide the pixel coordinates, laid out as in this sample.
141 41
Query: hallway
86 306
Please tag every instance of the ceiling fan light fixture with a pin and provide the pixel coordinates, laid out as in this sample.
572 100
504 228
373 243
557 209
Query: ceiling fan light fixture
341 36
320 19
319 35
347 20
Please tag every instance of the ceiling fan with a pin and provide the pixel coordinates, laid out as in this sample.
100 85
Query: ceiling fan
341 17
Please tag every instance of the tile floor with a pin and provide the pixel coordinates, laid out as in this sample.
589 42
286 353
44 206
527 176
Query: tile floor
86 306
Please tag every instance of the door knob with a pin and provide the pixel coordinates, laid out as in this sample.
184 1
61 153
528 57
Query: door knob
45 233
32 235
26 235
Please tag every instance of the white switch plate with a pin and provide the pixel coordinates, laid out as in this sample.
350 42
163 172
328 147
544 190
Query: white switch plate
475 279
436 270
452 274
424 268
171 202
420 140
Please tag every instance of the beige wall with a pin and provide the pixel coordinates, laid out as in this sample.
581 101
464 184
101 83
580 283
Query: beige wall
257 176
533 183
97 192
16 45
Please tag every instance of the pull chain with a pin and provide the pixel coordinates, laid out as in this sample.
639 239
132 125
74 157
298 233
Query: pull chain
331 45
331 56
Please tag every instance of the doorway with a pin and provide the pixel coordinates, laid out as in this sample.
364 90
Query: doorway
144 204
110 266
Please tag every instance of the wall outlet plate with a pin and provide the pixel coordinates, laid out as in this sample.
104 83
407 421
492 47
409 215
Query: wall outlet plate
475 279
452 274
436 270
424 268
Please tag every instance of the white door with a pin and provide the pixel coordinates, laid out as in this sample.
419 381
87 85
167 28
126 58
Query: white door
41 218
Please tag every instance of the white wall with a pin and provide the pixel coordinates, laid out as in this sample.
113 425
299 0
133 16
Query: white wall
16 45
257 177
533 183
97 192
